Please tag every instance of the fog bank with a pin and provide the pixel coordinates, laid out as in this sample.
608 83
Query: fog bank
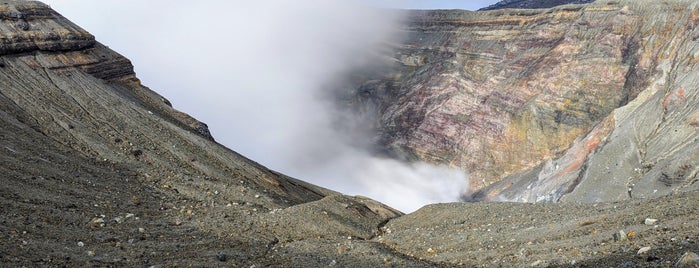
257 72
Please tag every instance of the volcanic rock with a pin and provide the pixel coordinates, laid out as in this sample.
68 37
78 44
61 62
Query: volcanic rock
574 103
499 92
73 114
532 4
646 147
689 259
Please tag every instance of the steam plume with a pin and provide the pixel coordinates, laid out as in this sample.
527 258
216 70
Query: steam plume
257 72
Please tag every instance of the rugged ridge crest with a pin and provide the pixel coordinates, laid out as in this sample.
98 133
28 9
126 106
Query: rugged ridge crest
533 4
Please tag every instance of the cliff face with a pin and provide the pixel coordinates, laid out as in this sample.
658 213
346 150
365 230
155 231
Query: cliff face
645 148
503 92
532 4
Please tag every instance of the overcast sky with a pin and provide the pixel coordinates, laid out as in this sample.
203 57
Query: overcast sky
253 71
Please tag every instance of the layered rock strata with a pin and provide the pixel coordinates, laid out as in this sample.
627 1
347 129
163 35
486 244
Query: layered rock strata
645 148
504 92
532 4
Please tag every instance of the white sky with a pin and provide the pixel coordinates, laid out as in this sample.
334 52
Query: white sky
252 71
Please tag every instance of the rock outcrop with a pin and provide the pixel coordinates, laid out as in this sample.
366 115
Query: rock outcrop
533 4
98 170
534 96
645 148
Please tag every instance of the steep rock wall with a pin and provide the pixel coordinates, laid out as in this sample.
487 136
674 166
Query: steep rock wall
536 104
647 148
521 4
502 91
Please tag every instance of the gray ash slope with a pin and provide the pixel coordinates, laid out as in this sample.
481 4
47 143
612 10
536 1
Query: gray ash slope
533 4
99 170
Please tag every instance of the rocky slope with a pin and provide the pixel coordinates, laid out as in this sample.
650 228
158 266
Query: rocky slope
539 96
98 170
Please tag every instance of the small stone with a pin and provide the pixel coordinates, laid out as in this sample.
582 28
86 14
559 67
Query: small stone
81 244
141 230
643 250
688 260
620 236
431 251
630 234
628 264
118 219
342 249
129 215
650 221
257 196
222 257
98 222
90 253
536 263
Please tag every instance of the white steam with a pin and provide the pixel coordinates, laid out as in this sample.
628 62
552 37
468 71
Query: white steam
256 73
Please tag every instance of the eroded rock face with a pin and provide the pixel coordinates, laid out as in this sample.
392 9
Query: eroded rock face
534 96
646 148
498 92
532 4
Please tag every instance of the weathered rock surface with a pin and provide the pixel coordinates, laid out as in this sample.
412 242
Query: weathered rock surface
645 148
585 100
98 170
532 4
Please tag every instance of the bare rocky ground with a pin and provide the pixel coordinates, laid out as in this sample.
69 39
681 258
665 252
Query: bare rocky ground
100 171
94 213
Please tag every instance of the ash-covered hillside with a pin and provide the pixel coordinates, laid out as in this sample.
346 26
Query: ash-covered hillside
99 170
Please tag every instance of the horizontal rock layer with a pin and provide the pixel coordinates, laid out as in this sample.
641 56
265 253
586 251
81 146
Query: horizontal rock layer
645 148
28 26
530 4
498 92
503 93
